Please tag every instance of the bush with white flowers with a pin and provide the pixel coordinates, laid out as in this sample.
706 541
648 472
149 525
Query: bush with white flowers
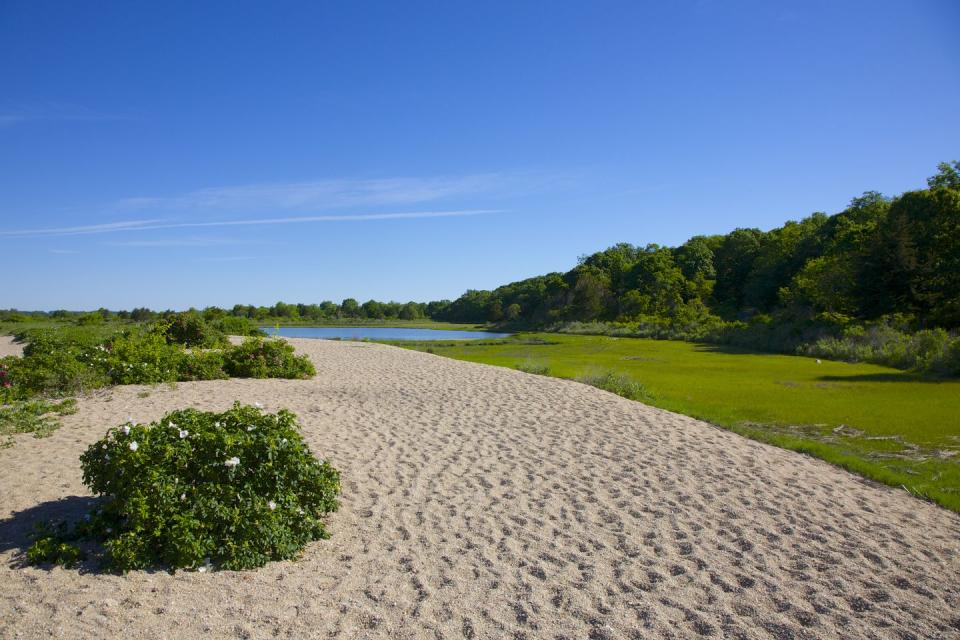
197 490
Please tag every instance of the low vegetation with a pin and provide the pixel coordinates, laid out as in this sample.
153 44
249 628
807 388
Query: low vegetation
618 383
66 360
257 358
197 490
39 417
896 427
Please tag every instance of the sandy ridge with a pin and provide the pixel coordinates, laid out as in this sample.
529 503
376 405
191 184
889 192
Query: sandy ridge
484 503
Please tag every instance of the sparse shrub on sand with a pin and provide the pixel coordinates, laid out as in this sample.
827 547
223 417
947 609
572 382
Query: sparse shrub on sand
64 362
39 417
198 490
619 384
266 358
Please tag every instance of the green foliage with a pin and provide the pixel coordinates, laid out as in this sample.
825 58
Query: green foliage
232 490
531 367
202 365
929 350
191 330
140 357
67 361
51 546
266 358
234 326
619 384
878 256
948 176
51 367
90 319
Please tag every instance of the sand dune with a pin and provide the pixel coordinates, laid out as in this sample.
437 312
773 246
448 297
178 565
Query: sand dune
486 503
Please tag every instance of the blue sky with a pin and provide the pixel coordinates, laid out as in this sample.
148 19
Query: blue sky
186 154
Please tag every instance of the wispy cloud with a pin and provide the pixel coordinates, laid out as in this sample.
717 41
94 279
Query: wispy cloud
145 225
85 229
178 242
317 195
226 259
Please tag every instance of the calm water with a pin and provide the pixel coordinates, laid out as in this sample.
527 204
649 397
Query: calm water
379 333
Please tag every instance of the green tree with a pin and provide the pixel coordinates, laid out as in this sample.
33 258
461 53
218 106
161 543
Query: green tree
350 308
948 176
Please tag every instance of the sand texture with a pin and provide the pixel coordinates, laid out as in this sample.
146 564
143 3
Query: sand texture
481 502
10 348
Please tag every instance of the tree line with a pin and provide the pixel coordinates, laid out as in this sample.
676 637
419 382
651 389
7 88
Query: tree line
879 256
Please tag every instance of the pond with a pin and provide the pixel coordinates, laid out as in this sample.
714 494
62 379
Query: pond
379 333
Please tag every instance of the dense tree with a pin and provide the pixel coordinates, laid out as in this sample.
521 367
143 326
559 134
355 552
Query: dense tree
876 257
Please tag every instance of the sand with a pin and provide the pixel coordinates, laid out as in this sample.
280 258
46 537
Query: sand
481 502
10 348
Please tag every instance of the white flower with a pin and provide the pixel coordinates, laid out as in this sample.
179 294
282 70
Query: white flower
184 433
258 405
283 441
251 428
300 510
232 462
126 429
134 446
173 425
216 424
183 496
272 505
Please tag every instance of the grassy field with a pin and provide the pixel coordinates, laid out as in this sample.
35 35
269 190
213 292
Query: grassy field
891 426
424 323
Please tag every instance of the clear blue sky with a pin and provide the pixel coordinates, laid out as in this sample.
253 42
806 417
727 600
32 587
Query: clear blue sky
171 154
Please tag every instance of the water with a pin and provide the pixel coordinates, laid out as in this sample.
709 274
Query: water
379 333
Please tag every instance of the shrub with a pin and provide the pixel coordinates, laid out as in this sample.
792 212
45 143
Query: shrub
233 490
235 326
57 371
190 330
140 358
266 358
888 342
50 546
202 365
536 369
619 384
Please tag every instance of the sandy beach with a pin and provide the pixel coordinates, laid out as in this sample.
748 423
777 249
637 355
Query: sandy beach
481 502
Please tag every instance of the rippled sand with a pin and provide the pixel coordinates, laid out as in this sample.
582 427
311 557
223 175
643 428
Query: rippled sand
481 502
